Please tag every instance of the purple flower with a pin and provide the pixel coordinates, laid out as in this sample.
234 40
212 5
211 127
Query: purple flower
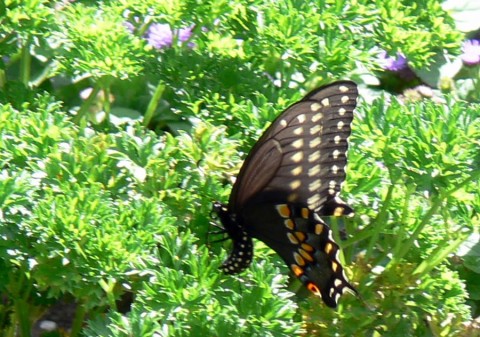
398 65
471 52
184 34
160 35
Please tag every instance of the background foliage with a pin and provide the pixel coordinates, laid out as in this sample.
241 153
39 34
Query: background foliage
121 121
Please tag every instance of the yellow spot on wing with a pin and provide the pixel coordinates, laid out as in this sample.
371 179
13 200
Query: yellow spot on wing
314 157
317 116
305 255
283 210
314 185
295 184
315 106
298 131
312 201
300 236
296 270
289 224
307 247
338 211
315 142
316 129
298 143
300 261
297 157
301 118
297 170
305 213
292 238
334 266
314 170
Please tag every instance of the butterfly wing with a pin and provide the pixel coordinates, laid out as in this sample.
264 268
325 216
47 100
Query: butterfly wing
291 177
304 242
303 152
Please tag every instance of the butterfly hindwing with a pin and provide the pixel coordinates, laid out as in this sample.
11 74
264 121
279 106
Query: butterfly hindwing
306 245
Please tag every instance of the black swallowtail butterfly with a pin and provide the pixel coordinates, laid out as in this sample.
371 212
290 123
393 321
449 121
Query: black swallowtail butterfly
289 180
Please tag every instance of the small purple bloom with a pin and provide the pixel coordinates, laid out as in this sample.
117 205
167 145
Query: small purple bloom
471 52
393 63
160 35
398 65
184 34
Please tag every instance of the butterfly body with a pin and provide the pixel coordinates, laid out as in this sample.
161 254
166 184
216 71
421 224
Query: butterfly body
290 179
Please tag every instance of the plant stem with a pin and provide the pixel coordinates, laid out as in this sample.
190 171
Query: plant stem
26 64
86 104
21 309
78 319
152 106
106 103
381 220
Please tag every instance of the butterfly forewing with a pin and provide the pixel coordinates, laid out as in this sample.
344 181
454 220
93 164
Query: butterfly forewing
291 177
303 152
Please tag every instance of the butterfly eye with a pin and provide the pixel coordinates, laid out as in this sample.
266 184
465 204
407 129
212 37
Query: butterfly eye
291 178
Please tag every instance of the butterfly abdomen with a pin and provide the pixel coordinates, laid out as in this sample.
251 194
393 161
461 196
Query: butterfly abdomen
242 251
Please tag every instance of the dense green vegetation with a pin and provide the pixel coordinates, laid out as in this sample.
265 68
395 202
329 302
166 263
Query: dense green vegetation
121 122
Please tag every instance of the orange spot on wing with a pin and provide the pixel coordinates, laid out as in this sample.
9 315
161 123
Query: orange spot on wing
307 247
305 255
313 288
300 236
298 271
289 224
283 210
300 261
305 213
292 238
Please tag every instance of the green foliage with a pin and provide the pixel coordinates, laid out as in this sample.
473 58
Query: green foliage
95 208
92 216
115 53
421 179
419 30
